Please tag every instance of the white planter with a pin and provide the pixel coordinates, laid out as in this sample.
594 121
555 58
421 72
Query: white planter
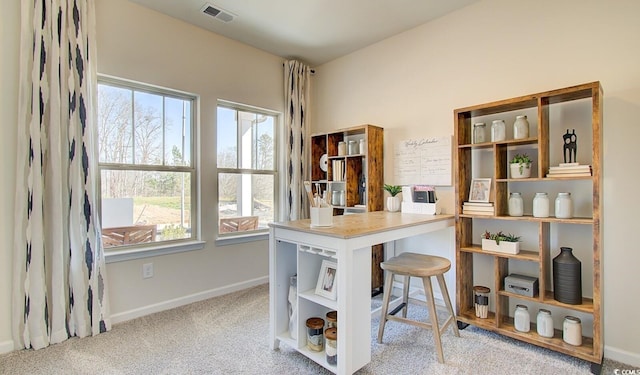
515 171
393 203
503 247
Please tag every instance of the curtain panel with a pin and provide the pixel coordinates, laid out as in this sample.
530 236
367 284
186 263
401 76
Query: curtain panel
59 285
297 89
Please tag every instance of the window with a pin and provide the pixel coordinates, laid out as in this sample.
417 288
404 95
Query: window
246 169
147 166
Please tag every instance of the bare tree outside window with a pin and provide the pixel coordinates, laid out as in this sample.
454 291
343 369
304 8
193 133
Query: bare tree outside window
145 143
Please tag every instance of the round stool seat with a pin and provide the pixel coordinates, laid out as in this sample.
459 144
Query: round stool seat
418 265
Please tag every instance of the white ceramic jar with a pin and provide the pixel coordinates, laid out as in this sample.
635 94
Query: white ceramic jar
521 127
498 131
342 148
363 147
516 205
541 205
521 318
544 323
564 206
572 331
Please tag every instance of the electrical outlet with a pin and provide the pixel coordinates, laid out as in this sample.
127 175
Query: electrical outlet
147 270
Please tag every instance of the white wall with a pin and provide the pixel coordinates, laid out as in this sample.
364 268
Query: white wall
143 45
9 40
496 49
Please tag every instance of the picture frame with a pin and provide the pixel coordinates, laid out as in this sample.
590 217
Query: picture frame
480 190
327 280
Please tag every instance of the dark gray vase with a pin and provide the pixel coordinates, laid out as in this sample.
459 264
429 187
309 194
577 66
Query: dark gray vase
567 277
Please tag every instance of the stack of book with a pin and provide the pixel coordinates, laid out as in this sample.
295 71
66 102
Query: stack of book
478 208
570 170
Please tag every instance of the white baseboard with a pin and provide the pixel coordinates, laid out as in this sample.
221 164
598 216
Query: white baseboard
6 346
185 300
619 355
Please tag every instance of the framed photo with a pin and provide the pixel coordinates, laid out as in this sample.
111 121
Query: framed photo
480 190
327 280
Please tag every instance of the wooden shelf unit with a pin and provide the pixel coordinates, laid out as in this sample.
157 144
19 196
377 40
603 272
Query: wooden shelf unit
370 164
500 318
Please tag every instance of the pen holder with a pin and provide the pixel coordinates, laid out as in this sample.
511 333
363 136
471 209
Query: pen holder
322 216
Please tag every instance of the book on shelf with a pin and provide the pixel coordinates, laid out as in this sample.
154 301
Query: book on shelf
477 208
577 174
478 204
581 168
474 212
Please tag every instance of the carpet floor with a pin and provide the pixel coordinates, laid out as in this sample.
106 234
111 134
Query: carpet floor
229 335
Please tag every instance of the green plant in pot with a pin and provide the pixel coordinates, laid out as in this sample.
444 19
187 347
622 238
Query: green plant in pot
500 237
393 202
500 242
520 166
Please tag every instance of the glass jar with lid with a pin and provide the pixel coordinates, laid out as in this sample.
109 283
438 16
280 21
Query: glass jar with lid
354 148
521 127
479 132
315 327
331 351
498 131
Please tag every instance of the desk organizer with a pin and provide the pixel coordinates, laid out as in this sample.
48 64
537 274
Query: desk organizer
421 208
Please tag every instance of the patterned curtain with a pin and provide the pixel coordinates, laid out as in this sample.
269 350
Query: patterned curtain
59 285
296 91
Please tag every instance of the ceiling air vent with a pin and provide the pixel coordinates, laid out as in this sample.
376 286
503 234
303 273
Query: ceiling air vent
218 13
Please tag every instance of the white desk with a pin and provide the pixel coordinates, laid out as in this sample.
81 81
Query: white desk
296 248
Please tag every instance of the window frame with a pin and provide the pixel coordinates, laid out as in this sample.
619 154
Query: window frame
155 248
263 233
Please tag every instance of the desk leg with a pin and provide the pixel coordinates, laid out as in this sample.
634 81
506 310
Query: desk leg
354 309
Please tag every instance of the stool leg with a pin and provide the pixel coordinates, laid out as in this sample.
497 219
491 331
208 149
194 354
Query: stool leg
405 295
447 302
388 285
435 327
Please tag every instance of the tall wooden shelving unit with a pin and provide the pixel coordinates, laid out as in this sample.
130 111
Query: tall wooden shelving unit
543 147
369 164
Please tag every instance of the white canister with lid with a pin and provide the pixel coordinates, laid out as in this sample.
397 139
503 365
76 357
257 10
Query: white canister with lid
564 206
541 205
521 318
544 323
516 205
572 331
342 148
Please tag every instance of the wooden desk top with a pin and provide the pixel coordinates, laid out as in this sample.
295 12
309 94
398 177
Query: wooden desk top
356 225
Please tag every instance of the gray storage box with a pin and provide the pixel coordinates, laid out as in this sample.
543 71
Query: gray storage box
522 285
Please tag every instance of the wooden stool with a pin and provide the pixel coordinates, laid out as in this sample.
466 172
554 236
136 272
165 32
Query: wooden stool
423 266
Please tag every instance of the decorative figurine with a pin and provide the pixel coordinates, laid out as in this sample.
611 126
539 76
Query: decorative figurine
570 146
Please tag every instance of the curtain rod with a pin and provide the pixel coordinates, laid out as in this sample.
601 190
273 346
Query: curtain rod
313 71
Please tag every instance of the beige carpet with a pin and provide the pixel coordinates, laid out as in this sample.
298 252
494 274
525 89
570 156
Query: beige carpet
229 335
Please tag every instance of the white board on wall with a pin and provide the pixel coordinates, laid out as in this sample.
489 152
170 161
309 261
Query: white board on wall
424 161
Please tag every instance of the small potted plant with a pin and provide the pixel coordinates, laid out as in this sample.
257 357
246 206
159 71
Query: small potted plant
393 202
520 166
500 242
